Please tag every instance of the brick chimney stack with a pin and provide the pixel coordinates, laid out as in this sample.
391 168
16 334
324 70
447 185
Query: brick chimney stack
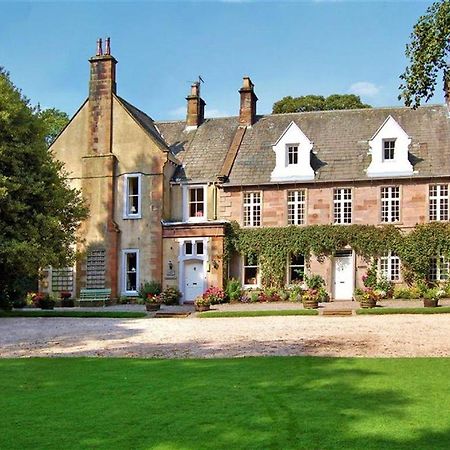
102 86
247 112
195 107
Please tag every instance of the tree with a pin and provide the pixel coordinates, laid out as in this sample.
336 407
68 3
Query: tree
54 121
428 53
317 103
39 212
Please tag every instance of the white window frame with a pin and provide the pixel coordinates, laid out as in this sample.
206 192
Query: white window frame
437 200
126 196
293 149
251 266
297 205
186 203
385 141
250 205
125 272
439 269
389 200
340 205
290 266
389 265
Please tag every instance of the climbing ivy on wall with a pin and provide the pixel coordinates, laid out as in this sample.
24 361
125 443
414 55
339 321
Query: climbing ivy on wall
273 245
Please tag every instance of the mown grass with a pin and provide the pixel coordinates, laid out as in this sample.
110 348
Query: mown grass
81 314
281 312
421 310
244 403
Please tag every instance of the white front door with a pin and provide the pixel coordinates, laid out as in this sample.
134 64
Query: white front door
343 276
193 280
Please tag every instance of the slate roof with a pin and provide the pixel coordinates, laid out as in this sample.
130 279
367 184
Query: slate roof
340 143
201 151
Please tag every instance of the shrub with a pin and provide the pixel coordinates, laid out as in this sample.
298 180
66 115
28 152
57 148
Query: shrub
149 287
401 292
384 286
254 297
358 294
323 295
434 293
314 282
233 290
295 293
170 296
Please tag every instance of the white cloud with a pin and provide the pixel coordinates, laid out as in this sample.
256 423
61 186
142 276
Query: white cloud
178 113
216 113
365 89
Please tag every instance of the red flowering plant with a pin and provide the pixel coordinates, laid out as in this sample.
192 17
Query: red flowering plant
214 295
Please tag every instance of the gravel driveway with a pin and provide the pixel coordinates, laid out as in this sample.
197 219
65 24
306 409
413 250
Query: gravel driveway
384 336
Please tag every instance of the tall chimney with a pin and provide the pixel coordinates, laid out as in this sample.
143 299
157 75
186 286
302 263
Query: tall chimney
247 112
102 86
195 107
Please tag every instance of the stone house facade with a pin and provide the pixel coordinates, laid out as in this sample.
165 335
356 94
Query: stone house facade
160 193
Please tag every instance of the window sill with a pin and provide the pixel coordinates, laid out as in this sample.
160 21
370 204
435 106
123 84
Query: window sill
132 217
129 294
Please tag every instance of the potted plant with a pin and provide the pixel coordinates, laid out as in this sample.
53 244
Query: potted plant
202 303
432 296
170 296
153 302
369 297
66 300
150 292
310 298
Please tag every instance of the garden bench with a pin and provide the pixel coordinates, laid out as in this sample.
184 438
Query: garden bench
95 295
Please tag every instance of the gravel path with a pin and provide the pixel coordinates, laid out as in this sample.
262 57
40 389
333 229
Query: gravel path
384 336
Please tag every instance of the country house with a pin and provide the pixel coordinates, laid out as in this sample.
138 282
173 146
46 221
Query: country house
161 193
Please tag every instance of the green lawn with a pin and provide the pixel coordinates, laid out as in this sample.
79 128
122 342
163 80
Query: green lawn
83 314
281 312
420 310
243 403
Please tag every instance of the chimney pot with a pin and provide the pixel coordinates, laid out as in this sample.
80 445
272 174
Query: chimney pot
108 46
99 47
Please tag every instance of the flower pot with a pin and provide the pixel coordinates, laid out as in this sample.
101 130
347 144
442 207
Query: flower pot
368 303
430 303
202 307
152 306
310 304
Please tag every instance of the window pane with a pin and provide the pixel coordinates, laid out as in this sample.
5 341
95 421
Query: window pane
250 275
196 202
188 248
133 195
199 248
131 268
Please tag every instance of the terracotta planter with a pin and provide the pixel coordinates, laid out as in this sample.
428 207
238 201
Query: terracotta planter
310 304
202 307
429 303
369 303
152 306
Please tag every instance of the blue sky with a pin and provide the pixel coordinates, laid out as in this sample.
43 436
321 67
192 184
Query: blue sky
287 48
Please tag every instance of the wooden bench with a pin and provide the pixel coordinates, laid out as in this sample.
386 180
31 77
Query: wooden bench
95 295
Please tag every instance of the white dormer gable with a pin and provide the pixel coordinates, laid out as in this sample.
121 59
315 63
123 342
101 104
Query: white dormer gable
389 150
293 156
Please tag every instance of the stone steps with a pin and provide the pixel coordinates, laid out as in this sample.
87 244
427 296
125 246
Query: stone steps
337 312
171 315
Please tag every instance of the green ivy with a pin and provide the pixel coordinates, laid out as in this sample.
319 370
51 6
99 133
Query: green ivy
274 245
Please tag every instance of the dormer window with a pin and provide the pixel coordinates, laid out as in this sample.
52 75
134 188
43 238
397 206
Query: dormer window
388 149
292 156
292 152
